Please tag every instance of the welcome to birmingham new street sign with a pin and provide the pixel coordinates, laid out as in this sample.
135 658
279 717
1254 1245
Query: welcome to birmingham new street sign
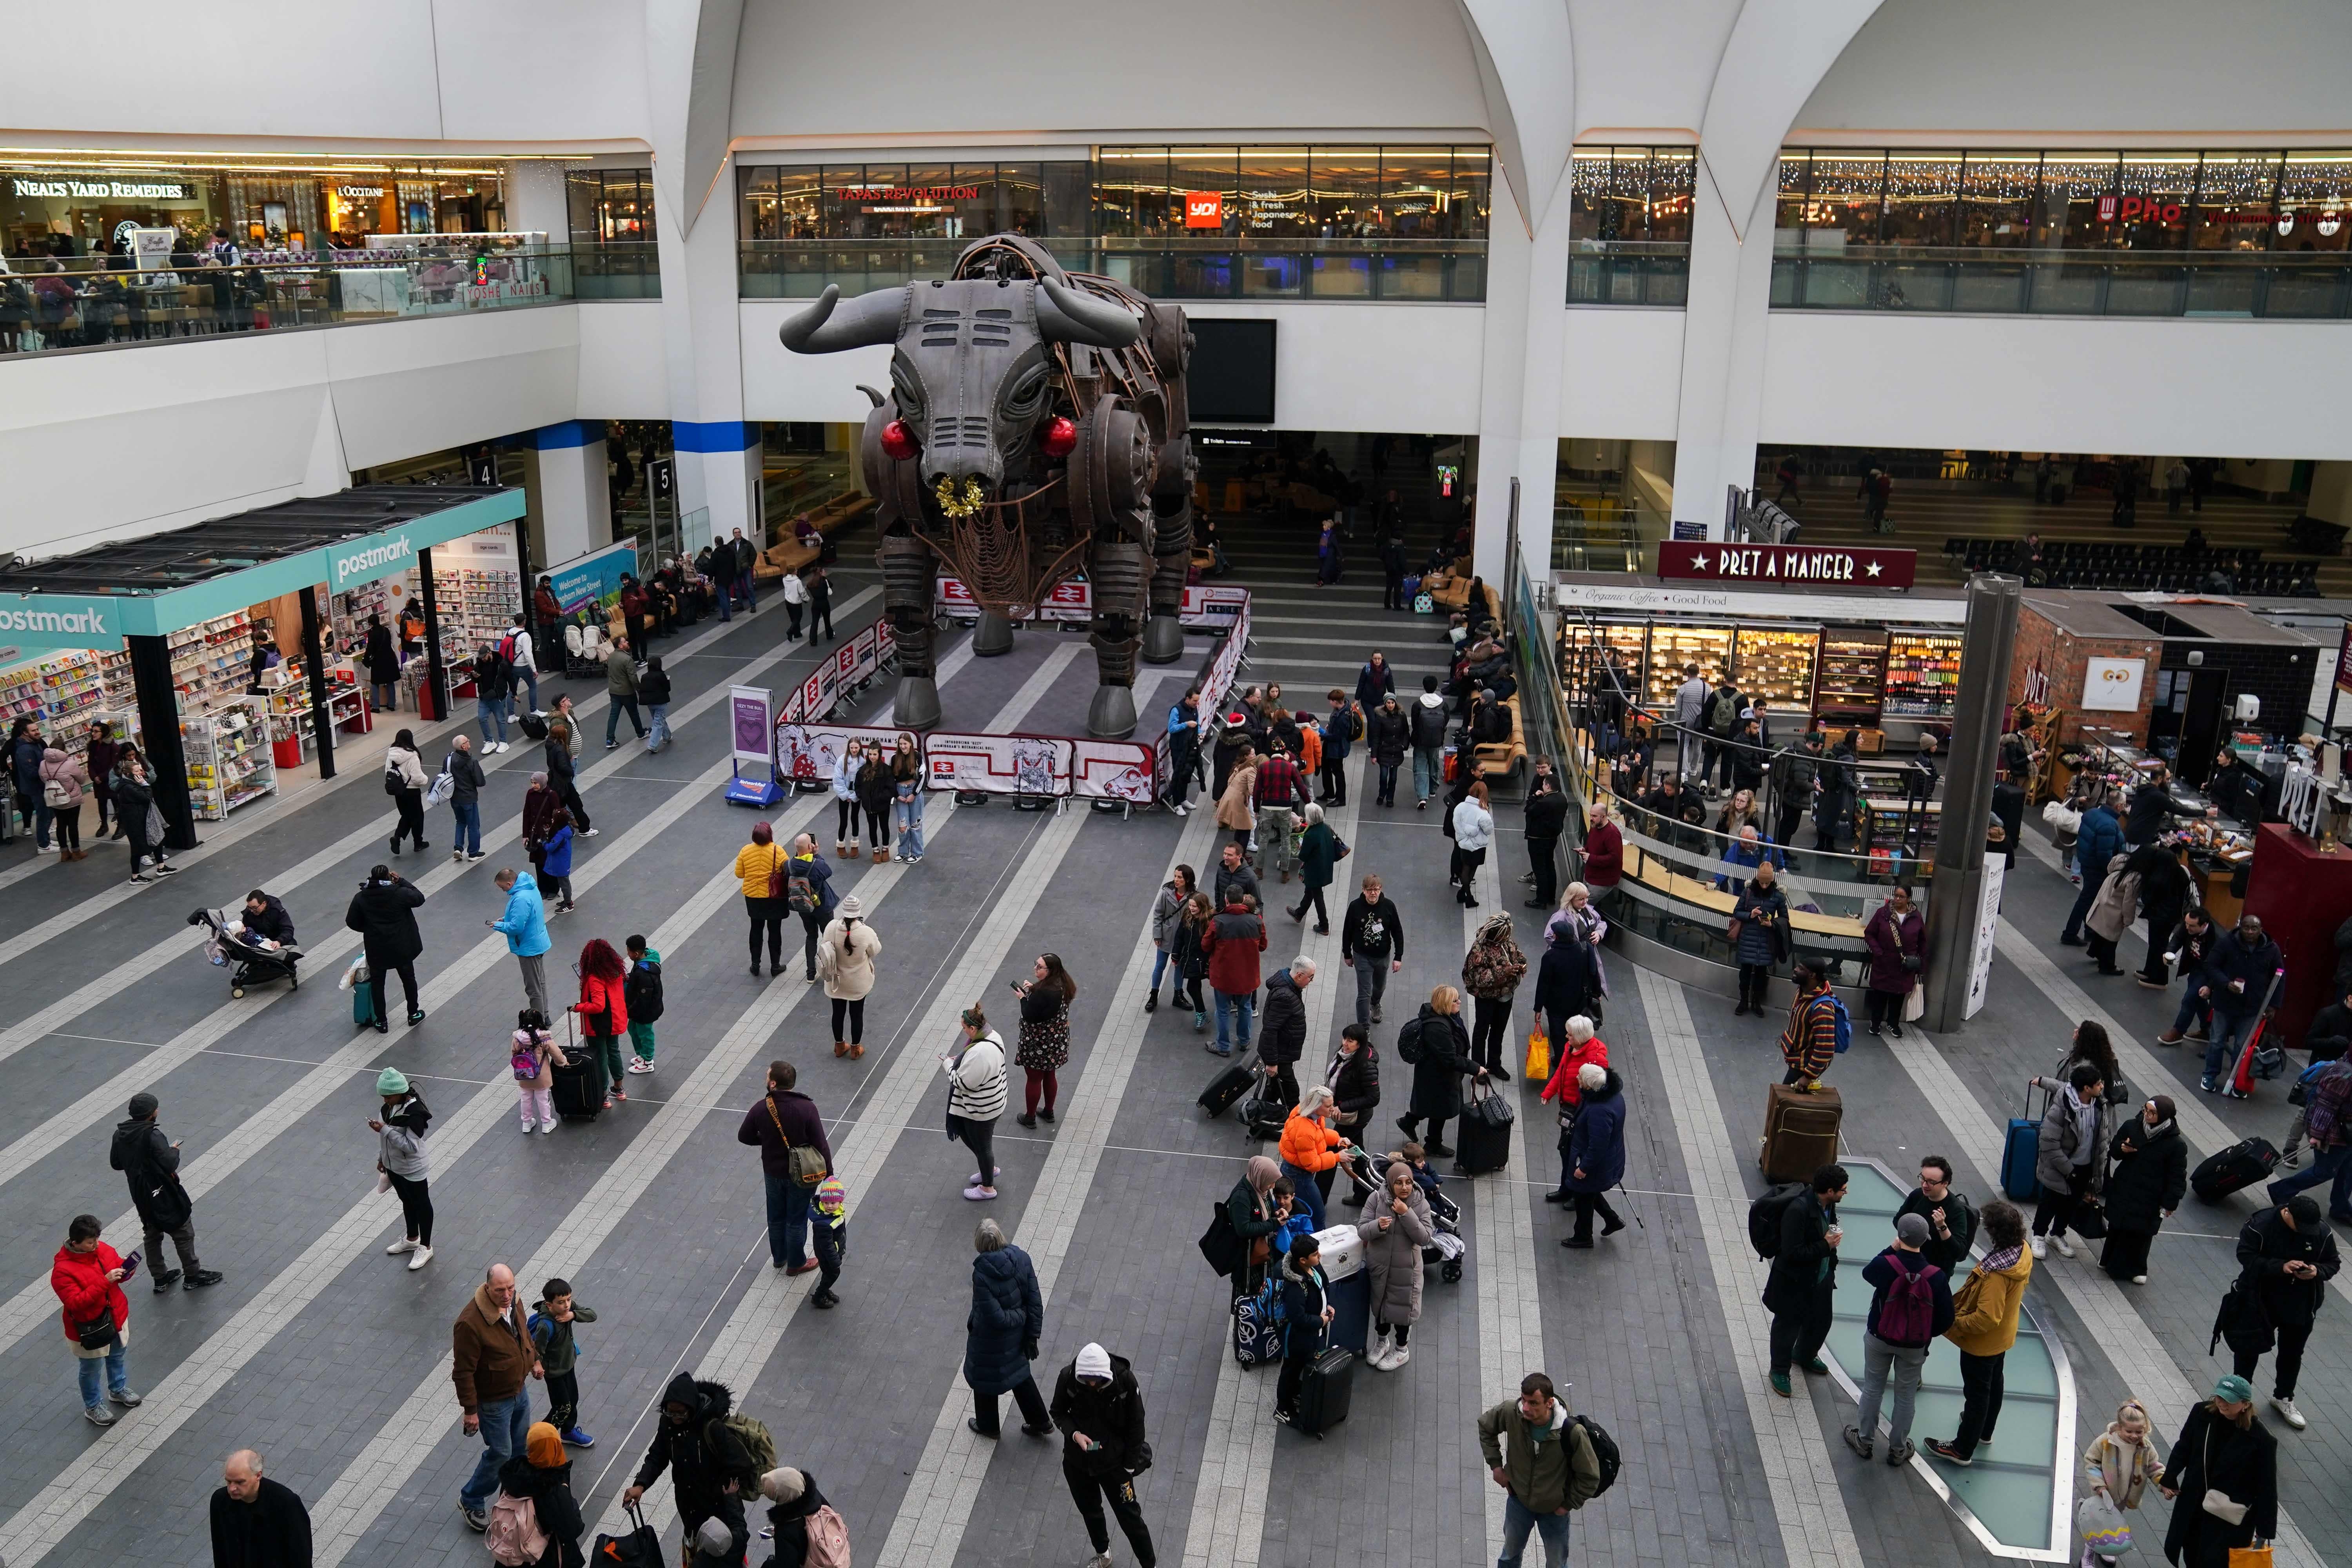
1845 566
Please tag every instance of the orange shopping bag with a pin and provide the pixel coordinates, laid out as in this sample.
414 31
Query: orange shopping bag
1538 1055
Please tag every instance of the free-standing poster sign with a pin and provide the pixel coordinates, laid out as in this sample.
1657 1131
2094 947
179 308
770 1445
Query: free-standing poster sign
1981 939
749 715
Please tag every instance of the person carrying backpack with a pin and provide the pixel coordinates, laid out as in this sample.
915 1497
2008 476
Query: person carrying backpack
535 1521
1818 1027
808 1533
641 990
711 1454
1910 1308
1544 1458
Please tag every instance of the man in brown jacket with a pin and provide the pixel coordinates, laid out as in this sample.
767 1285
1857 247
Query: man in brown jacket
490 1358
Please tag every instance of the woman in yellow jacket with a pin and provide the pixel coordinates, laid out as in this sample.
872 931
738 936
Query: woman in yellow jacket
761 865
1309 1150
1984 1325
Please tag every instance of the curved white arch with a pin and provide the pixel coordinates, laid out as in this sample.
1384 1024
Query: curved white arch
690 48
1525 52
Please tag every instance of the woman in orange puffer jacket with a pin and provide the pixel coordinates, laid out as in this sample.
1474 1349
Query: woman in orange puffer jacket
1311 1150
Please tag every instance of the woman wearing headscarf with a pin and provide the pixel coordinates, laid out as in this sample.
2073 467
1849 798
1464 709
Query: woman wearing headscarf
2149 1179
403 774
1395 1225
542 1475
1255 1217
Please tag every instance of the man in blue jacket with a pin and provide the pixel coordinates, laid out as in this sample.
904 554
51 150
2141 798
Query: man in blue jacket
2237 984
2099 840
524 925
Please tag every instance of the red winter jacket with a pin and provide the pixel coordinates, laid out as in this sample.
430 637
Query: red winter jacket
596 996
1232 942
81 1280
1604 855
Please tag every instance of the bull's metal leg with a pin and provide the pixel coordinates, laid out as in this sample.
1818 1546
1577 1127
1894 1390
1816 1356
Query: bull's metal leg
906 574
1171 563
1114 571
994 635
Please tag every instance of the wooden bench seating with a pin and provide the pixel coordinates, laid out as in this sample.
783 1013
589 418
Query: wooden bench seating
830 517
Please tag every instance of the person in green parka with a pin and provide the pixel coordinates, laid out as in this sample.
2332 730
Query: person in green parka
1320 850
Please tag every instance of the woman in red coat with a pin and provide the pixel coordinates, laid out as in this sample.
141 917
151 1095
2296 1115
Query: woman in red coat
1579 1046
603 1011
1898 939
87 1275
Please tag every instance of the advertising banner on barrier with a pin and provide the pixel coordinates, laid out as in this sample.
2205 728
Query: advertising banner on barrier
1205 606
998 764
1113 770
595 578
1227 664
807 753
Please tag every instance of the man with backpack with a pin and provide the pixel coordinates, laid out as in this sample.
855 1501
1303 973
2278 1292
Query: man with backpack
1722 727
1910 1308
1819 1026
1547 1464
151 1163
715 1457
1796 1227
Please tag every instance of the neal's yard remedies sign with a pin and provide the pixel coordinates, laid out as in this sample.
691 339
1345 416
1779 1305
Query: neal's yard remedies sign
1806 565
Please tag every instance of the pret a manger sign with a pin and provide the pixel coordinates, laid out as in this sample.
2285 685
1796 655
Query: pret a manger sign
1840 565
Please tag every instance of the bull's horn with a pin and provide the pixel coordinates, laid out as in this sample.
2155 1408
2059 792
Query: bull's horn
1066 316
828 326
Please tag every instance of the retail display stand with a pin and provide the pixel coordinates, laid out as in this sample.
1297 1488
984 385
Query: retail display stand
230 762
751 723
292 743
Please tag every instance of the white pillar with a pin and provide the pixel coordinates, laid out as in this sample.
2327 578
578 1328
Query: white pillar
1724 327
1518 411
535 200
568 497
702 351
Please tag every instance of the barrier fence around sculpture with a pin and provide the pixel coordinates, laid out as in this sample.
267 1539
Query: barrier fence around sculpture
803 747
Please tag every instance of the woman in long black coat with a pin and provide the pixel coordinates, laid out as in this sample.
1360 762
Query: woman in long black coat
1444 1052
2149 1179
2163 894
2221 1447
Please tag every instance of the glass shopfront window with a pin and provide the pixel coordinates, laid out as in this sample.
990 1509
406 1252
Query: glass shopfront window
1226 222
610 207
2233 233
1629 226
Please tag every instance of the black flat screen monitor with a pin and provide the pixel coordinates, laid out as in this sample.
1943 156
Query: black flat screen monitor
1232 374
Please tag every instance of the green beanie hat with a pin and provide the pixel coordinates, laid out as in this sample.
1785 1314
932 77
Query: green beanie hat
391 1081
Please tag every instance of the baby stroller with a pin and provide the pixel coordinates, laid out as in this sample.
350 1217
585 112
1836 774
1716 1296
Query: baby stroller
583 647
1368 1172
248 962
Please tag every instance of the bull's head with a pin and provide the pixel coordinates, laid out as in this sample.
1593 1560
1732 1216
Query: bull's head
972 368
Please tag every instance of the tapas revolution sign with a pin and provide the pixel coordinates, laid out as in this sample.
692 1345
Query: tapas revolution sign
1806 565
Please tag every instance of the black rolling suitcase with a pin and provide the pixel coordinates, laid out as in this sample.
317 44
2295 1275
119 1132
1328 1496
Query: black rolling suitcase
579 1091
1233 1081
2239 1166
1324 1392
1484 1144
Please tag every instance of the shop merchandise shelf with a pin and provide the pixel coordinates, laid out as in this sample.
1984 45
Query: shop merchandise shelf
1852 683
1671 648
1923 675
228 756
210 661
1777 665
68 691
1890 815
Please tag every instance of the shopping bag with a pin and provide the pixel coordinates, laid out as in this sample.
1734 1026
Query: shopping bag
2102 1525
1914 1004
2250 1556
1538 1055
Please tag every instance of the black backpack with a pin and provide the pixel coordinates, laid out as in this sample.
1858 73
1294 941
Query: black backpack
1604 1452
1765 1214
643 991
1409 1043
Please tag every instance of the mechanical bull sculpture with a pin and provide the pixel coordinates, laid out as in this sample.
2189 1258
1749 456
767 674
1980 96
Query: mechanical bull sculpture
1034 431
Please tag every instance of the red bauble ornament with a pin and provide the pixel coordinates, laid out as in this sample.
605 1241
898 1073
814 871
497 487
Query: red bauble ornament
897 441
1060 436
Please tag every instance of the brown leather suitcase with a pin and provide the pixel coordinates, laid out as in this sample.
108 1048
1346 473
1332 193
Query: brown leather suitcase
1801 1131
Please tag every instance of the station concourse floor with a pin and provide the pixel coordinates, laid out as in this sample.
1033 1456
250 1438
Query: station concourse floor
331 1359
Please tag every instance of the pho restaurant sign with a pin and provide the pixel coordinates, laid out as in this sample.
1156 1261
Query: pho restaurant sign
1803 566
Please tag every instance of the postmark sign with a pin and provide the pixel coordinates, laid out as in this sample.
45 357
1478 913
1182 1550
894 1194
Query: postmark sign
1829 565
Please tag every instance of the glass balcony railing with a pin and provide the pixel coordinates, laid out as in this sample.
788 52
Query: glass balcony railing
83 302
2275 285
617 270
1653 272
1218 267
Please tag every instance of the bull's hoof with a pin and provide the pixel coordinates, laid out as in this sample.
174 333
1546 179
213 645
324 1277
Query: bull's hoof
993 637
916 706
1163 640
1112 715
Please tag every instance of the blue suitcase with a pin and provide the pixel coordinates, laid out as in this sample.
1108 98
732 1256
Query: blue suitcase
2020 1152
363 1005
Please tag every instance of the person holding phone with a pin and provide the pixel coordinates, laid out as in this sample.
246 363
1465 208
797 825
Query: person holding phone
87 1275
1044 1040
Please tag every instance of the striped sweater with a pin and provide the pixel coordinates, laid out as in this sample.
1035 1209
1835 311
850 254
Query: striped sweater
1810 1040
976 1079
